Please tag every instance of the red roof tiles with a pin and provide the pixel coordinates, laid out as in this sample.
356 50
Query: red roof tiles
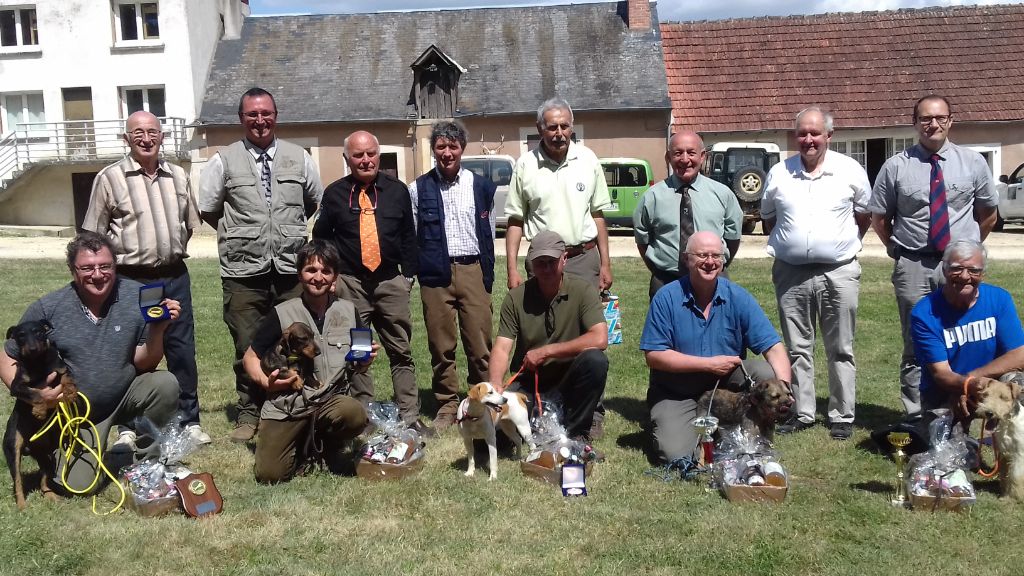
868 68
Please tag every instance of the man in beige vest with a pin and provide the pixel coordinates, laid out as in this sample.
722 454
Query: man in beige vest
257 193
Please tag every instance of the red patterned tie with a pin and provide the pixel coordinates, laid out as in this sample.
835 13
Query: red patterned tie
938 228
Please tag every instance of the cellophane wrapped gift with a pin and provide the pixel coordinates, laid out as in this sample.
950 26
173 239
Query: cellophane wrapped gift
746 467
150 483
938 479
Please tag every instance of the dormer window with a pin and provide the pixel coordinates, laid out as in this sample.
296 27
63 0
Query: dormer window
435 90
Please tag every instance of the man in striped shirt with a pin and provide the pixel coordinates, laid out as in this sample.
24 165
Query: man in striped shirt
144 205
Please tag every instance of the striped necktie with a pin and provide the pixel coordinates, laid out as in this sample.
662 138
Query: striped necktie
938 225
264 162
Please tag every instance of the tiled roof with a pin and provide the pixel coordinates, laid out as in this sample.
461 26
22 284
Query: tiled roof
355 67
868 68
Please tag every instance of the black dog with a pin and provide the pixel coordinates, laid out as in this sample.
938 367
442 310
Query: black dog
38 359
293 355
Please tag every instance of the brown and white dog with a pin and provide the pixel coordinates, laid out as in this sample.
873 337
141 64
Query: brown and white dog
1001 400
38 358
755 411
482 412
293 354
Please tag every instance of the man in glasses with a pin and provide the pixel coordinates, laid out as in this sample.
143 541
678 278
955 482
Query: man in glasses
697 332
257 193
145 206
555 320
454 211
684 203
964 329
924 197
111 352
368 216
815 211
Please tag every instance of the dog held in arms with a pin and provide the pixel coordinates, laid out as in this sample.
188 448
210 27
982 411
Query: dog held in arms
293 355
38 358
482 411
756 411
1001 400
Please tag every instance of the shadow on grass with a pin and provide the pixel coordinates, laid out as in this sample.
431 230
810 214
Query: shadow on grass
869 416
632 409
875 487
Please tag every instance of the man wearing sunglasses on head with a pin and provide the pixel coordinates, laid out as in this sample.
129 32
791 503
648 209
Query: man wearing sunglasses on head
924 197
368 216
963 330
257 193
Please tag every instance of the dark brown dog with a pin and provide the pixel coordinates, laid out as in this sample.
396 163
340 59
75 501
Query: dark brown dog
38 358
756 410
293 355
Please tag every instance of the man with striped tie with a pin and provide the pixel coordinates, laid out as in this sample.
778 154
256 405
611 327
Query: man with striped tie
924 197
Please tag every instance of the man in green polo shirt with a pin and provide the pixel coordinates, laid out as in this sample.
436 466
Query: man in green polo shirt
685 203
556 322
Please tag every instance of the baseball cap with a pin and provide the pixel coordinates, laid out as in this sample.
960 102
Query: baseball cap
546 243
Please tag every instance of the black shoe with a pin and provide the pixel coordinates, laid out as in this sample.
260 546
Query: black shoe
424 430
597 428
841 430
794 425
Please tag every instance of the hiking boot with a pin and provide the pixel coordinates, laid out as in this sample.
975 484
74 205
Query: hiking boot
841 430
424 430
125 442
793 425
445 416
243 432
597 427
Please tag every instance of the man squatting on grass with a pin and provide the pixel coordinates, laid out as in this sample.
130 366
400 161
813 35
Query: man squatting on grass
295 425
697 331
963 330
556 321
109 349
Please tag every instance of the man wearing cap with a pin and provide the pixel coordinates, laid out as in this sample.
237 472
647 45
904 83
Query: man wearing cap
556 322
924 197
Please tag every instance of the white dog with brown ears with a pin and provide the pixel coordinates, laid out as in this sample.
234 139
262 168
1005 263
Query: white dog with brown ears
479 415
1001 400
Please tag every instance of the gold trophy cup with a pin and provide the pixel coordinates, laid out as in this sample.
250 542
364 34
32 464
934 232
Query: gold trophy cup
899 440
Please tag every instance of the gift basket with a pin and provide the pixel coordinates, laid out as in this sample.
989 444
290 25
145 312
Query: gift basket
163 485
937 479
746 469
393 450
554 450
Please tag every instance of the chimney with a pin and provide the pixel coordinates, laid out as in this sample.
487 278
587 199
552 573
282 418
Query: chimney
638 16
233 13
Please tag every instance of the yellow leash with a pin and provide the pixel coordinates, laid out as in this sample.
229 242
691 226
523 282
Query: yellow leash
70 438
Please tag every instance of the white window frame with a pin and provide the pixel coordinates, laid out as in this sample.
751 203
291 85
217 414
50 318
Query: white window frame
24 109
844 147
140 25
18 25
898 144
525 133
996 151
123 94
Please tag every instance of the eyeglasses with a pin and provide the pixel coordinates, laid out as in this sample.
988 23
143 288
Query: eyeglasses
957 270
702 256
139 133
88 270
356 209
926 120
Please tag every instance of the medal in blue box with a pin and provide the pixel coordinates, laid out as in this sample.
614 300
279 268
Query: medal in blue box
362 345
151 297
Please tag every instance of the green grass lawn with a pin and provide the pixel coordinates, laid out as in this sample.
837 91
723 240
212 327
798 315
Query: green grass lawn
835 520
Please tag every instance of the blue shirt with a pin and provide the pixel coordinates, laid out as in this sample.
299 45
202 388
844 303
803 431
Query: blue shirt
735 324
967 339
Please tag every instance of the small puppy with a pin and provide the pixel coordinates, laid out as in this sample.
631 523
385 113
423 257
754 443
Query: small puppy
481 411
756 410
38 359
294 354
1000 400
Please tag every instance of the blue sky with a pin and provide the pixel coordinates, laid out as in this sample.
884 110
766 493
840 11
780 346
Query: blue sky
669 10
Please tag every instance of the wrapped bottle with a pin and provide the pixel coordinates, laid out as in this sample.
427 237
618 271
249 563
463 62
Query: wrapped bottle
774 475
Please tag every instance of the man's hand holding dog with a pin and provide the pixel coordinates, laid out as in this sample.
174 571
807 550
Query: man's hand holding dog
722 365
536 358
51 394
271 383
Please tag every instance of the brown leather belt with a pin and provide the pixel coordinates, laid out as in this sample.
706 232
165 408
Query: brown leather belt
578 249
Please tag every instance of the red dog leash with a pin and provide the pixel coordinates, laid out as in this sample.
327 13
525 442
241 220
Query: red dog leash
536 387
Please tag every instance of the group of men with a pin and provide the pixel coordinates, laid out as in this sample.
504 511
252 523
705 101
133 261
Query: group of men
932 205
372 239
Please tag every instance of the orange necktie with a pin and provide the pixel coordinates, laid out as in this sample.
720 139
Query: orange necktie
368 233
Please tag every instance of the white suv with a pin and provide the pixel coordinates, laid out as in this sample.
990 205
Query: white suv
498 169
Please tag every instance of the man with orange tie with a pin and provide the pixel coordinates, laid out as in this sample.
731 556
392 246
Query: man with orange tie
924 197
368 216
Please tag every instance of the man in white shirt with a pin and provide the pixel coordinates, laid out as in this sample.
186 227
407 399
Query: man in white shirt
815 212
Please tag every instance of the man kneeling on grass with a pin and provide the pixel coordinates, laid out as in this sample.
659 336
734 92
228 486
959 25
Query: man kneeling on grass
964 329
698 329
298 427
556 322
